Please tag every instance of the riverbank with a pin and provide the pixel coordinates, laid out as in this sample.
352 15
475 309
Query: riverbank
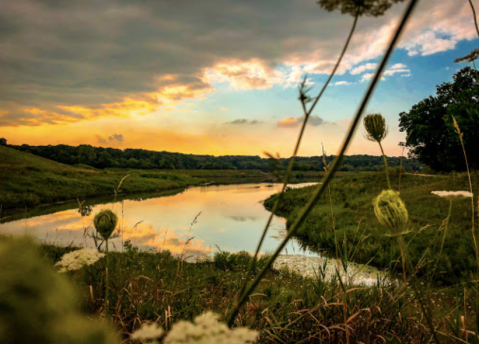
285 307
353 230
29 181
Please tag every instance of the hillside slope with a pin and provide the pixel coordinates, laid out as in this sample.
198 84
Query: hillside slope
28 180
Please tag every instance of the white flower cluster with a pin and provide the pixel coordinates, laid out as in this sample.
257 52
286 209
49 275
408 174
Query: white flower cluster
452 193
206 329
77 259
148 333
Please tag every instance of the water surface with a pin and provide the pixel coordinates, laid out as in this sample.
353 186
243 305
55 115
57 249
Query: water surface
228 217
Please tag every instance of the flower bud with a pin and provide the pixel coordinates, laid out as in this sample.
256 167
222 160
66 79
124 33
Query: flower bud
105 223
376 129
391 212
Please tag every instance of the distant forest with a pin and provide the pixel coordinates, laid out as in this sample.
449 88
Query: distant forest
99 157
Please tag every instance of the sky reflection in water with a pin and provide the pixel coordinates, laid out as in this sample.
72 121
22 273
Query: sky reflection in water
232 219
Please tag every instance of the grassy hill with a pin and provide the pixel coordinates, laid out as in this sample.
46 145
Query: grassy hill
28 180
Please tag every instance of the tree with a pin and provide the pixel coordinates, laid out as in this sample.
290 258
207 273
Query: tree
430 129
86 155
3 141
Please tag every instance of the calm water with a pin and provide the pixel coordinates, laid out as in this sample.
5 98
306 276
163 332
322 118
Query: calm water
231 218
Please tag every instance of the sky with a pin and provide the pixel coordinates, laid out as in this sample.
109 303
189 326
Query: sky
214 77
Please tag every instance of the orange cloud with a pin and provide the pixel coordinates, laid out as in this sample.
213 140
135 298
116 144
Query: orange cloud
141 104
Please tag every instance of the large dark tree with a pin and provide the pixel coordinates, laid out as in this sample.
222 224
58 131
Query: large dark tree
431 135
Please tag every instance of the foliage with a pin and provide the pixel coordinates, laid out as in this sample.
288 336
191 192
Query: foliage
29 180
38 305
358 230
285 308
430 129
99 157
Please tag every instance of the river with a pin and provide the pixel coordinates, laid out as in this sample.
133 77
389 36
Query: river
194 223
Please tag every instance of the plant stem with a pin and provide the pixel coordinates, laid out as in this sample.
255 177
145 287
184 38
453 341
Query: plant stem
470 189
287 178
386 167
329 174
400 168
404 254
474 15
107 302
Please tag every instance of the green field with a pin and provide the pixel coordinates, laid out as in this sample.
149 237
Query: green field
29 180
357 233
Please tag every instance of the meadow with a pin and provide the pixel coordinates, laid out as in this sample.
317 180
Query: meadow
345 225
285 308
29 181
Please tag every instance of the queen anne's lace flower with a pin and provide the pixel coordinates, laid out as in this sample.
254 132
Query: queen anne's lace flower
148 333
452 193
77 259
208 330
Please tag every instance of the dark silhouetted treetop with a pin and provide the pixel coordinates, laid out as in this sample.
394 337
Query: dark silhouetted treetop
431 135
371 8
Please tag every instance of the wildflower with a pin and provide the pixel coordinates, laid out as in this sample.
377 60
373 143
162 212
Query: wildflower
452 193
105 223
77 259
148 333
391 212
207 329
473 55
373 8
376 128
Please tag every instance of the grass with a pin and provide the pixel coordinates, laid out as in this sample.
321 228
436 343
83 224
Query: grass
286 308
358 232
29 181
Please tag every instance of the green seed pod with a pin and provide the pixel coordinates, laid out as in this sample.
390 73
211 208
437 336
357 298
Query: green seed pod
391 212
105 223
376 128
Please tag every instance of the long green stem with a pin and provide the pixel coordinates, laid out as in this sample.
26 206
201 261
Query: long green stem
330 173
474 15
386 167
107 301
287 178
408 263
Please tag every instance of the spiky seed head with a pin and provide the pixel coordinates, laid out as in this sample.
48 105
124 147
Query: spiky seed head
372 8
105 223
376 128
391 212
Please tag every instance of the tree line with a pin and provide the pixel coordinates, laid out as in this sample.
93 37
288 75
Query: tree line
100 157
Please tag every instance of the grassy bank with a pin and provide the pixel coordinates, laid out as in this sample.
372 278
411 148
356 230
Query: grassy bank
353 229
29 180
285 308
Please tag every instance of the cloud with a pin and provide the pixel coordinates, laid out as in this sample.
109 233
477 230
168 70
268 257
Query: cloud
398 68
291 122
116 137
342 83
63 62
363 68
244 121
